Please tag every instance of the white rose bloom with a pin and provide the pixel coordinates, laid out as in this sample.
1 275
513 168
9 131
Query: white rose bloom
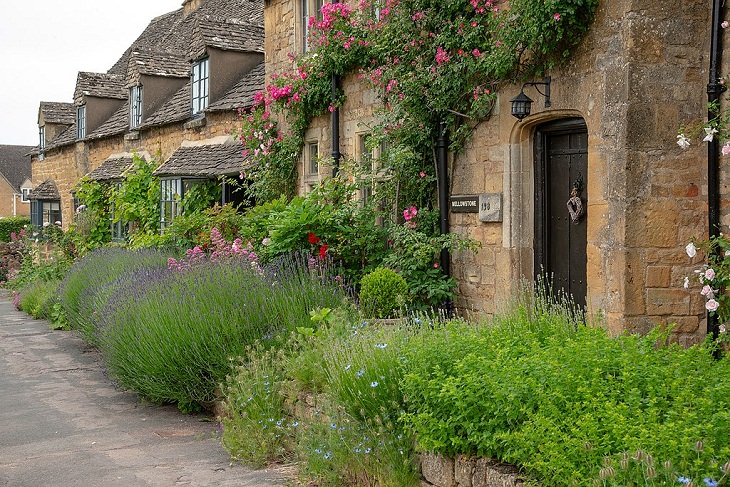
691 249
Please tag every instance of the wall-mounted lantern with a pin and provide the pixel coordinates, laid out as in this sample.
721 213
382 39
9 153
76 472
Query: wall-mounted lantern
521 103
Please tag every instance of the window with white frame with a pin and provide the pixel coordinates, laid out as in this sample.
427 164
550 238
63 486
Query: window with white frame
170 199
81 122
135 106
309 9
25 195
201 86
369 154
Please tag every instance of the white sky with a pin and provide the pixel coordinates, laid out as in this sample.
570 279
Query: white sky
45 43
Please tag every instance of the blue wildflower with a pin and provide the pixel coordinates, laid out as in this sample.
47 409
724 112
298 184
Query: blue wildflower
333 426
348 367
684 480
360 373
381 346
328 455
374 383
368 450
709 482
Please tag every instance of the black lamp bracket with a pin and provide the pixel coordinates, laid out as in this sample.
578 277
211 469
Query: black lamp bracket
537 84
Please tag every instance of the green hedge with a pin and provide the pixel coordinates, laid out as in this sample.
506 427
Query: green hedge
12 224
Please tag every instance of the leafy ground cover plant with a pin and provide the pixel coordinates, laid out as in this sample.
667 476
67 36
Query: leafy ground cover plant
568 403
351 436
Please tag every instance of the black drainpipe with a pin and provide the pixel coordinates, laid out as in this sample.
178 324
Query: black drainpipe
442 157
336 154
714 90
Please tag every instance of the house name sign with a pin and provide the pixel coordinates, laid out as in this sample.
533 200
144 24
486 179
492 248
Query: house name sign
488 205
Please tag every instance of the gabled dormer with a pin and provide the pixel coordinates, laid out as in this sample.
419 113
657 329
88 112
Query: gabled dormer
97 97
152 79
221 54
53 119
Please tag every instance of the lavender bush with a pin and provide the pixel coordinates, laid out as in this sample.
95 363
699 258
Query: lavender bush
171 339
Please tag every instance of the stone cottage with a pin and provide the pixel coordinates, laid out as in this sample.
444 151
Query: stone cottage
609 133
15 180
176 88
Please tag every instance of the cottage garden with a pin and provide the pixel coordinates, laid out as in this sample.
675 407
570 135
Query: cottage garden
275 315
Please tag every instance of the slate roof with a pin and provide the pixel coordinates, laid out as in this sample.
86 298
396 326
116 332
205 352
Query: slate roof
204 160
118 123
242 94
113 167
102 85
15 164
228 36
55 112
176 109
172 32
157 63
68 136
47 190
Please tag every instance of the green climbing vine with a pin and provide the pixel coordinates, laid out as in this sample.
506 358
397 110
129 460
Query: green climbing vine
429 61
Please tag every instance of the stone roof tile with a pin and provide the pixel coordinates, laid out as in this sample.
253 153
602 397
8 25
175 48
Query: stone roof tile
56 112
228 36
176 109
118 123
15 164
204 160
47 190
156 63
102 85
242 94
113 167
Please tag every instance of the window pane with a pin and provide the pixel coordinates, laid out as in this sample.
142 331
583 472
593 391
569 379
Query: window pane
313 158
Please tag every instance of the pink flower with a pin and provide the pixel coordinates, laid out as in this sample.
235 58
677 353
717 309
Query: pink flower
725 148
707 292
441 56
712 305
556 17
476 53
725 24
422 174
435 265
410 213
709 274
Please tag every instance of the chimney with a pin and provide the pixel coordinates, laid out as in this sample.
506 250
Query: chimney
190 6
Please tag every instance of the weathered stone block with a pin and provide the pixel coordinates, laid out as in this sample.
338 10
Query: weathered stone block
667 302
438 470
658 276
464 467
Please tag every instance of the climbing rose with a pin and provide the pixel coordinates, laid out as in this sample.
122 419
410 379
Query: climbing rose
410 213
712 305
556 17
709 274
725 148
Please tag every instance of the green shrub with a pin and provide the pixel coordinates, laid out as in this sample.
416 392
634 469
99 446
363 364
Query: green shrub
170 338
12 224
567 402
39 297
97 277
382 293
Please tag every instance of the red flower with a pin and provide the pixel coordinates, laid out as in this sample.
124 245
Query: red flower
313 239
323 251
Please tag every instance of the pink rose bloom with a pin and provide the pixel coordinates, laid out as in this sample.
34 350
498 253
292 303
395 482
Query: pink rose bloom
556 17
707 291
410 213
709 274
712 305
725 24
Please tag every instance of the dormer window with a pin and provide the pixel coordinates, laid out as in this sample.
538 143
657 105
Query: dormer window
41 142
80 122
200 86
135 106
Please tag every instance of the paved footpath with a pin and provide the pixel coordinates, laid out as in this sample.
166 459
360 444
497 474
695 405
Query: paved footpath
63 424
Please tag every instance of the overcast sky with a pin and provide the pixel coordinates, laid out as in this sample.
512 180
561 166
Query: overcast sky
45 43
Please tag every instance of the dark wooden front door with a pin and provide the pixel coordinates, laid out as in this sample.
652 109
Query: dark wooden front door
561 172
